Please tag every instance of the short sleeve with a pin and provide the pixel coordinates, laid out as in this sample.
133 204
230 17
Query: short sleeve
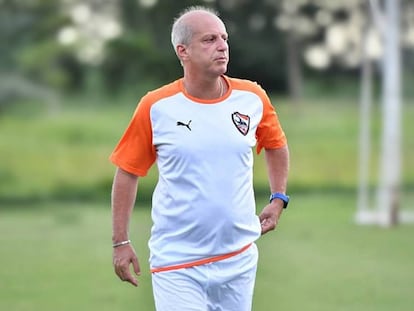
135 152
269 134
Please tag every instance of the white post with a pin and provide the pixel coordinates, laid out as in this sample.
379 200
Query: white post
390 157
364 215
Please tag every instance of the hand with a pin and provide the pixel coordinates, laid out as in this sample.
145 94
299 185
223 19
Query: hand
269 216
123 257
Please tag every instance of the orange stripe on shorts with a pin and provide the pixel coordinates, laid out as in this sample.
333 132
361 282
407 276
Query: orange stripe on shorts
200 262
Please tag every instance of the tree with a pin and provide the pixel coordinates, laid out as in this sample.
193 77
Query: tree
387 212
257 48
30 48
143 52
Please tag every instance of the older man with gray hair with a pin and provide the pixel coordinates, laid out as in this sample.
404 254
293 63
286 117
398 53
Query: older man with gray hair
200 130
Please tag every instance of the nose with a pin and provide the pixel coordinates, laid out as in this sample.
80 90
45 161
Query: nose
223 45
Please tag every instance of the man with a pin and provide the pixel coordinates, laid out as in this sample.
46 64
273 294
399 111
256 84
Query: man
200 130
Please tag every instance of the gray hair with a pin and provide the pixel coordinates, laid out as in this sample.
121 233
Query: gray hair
181 32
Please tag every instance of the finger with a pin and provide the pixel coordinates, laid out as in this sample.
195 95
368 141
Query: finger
135 265
126 276
120 270
130 279
121 275
267 225
262 218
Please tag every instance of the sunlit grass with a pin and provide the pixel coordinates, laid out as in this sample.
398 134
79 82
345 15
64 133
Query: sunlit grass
323 140
65 155
56 252
58 257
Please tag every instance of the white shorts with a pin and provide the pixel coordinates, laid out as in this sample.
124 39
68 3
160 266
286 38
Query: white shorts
225 285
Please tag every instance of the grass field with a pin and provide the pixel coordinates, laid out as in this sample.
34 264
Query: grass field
58 257
55 217
65 155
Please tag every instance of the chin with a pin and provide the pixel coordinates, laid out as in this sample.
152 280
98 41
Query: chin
223 70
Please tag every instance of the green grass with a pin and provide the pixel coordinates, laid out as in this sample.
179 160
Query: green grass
323 261
47 155
58 257
65 155
324 141
55 228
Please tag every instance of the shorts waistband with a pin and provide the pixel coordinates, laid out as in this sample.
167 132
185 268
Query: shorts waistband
200 262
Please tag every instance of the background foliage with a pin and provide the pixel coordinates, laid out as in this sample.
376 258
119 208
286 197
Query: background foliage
74 45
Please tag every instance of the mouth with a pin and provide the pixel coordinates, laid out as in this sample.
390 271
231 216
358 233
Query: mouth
221 59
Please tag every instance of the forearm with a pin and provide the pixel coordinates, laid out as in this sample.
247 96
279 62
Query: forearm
277 162
124 191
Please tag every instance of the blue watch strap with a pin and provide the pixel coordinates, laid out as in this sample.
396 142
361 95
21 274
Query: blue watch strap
279 195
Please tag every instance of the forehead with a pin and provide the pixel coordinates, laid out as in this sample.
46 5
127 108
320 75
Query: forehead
203 23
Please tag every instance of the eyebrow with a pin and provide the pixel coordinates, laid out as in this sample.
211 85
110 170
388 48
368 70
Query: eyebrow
214 35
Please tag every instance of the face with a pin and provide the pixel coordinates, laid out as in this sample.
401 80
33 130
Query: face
208 51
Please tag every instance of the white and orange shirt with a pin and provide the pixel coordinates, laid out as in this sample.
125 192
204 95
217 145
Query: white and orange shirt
203 206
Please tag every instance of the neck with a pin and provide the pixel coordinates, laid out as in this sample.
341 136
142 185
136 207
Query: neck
207 89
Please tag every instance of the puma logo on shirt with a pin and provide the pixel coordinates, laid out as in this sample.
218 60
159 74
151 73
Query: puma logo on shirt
179 123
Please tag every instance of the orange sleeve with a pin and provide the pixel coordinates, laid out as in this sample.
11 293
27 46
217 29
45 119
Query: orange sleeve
269 134
135 152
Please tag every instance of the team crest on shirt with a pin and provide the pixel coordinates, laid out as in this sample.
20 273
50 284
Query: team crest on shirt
241 121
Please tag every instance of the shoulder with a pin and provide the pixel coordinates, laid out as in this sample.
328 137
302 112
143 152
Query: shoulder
152 97
245 85
248 86
162 92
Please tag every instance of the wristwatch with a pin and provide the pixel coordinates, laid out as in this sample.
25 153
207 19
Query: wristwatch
283 197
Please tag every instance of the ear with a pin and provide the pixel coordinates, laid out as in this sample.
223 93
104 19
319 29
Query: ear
182 52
